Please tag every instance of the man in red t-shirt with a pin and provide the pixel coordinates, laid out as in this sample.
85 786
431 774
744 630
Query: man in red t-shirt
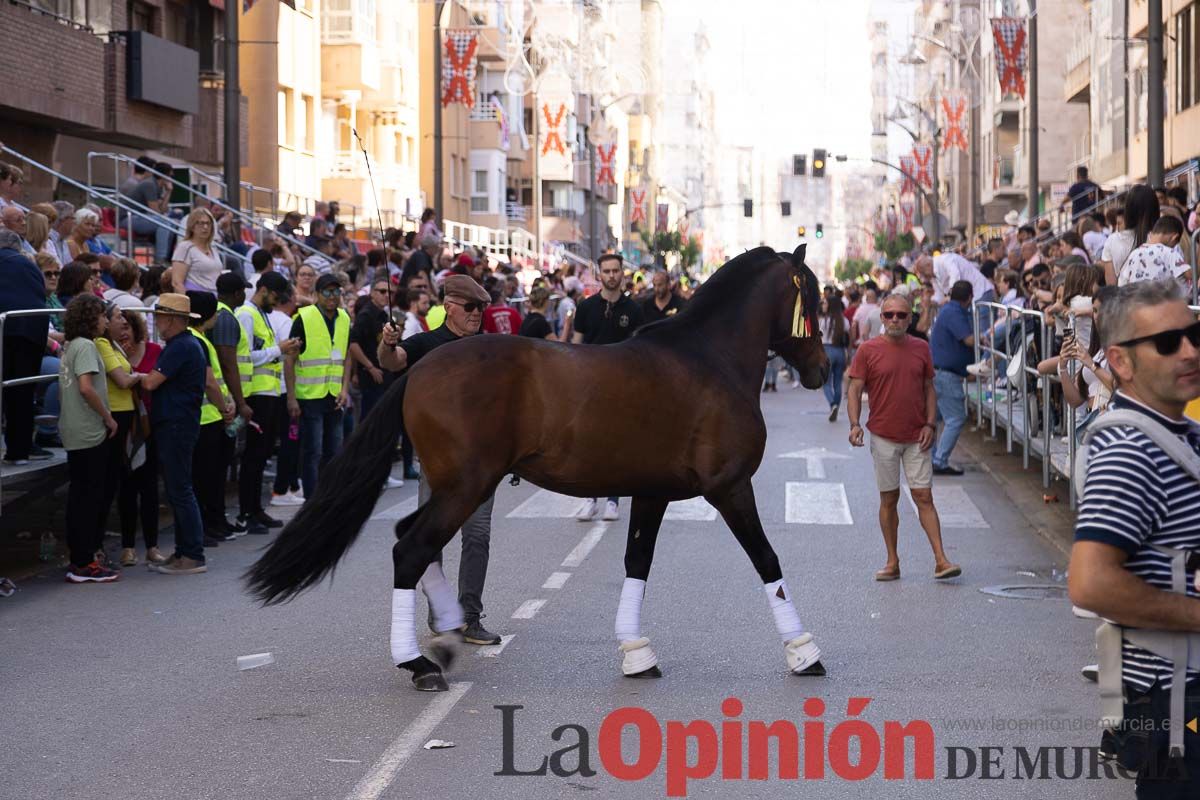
500 317
897 372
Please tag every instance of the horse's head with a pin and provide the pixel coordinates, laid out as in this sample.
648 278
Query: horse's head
795 334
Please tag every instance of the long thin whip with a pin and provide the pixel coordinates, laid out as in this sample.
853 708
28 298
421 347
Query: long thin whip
379 218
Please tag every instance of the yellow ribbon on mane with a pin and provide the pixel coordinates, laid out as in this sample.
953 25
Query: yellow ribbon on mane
800 324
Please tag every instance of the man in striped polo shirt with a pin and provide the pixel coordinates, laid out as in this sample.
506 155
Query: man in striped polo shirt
1136 500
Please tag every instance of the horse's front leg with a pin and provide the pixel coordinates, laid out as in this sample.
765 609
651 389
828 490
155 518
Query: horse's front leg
645 518
740 513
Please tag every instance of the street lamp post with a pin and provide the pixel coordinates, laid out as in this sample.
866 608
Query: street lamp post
1031 110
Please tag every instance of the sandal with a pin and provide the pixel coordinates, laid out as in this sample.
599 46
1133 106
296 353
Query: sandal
888 574
948 571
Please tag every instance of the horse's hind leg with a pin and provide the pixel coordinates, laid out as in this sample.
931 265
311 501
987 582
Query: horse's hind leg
645 518
420 537
740 513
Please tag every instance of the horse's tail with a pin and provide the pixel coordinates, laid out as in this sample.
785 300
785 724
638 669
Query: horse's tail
310 546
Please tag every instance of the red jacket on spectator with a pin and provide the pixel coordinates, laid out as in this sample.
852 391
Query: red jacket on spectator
501 319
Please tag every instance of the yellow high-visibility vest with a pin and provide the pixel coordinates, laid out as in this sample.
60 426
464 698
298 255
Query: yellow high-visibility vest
208 412
245 366
319 367
264 378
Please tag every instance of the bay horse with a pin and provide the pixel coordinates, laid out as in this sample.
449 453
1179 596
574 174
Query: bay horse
565 418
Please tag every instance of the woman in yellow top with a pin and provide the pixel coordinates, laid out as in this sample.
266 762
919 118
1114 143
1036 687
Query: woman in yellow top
122 380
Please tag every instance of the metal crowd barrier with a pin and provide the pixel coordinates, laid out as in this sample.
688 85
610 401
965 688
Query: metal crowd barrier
4 384
1002 414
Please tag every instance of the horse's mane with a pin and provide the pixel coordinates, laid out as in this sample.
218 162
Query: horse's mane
733 278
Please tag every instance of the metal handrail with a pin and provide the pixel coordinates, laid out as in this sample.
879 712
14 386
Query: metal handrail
34 312
250 221
121 203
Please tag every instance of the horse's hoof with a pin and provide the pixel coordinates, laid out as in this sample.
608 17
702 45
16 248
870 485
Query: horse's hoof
803 655
813 670
653 672
430 682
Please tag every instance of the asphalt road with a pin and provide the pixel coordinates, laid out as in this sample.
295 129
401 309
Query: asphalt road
131 689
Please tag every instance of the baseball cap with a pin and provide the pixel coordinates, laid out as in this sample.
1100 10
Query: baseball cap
229 282
327 280
274 282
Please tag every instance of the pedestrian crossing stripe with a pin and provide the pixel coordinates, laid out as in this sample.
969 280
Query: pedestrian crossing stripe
810 503
954 506
398 511
544 504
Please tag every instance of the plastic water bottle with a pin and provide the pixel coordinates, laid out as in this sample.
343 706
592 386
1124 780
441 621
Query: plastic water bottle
47 547
232 429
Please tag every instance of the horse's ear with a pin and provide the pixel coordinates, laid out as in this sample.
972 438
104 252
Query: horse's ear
798 256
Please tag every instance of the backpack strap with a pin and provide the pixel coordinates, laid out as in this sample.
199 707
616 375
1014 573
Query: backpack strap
1176 449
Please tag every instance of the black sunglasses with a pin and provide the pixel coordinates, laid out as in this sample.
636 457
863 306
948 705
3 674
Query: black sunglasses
1167 342
470 308
330 291
894 315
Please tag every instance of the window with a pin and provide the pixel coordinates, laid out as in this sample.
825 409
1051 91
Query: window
1187 57
284 99
480 202
304 125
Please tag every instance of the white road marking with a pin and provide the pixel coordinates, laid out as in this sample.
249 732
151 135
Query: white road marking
817 504
814 459
695 510
954 506
543 503
528 610
590 540
398 511
408 742
493 650
556 580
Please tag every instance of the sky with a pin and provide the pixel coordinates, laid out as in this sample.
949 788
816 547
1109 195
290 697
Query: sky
793 74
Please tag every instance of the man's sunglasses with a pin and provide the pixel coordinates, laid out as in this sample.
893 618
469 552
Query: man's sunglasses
51 273
332 291
894 315
470 308
1167 342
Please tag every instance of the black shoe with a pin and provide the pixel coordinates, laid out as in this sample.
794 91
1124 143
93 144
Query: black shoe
40 454
412 475
219 533
833 409
263 519
47 440
235 525
947 470
475 633
256 529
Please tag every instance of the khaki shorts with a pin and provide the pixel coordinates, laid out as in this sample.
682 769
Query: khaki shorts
889 456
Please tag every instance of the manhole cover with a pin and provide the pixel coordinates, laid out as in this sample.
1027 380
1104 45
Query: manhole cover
1029 591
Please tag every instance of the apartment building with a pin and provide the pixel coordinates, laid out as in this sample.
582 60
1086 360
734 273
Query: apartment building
77 93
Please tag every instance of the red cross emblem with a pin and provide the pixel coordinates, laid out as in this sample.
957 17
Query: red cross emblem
553 136
638 200
458 68
604 172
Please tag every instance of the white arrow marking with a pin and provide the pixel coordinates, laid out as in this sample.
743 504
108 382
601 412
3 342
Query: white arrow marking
813 458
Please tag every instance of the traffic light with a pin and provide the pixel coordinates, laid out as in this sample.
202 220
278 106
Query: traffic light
748 207
801 231
785 208
818 163
820 230
800 165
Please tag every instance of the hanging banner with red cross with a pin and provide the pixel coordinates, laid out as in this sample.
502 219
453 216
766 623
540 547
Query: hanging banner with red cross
606 156
890 224
1009 33
458 67
637 206
683 228
664 217
553 119
908 170
907 208
922 160
954 109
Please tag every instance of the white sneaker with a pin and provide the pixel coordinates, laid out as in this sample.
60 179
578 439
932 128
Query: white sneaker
394 483
587 512
981 370
1083 613
610 511
287 499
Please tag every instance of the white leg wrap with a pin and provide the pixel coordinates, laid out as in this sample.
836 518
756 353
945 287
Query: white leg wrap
802 653
636 656
404 633
629 610
787 621
447 613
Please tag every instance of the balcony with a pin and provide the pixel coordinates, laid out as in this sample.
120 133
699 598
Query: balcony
1077 79
515 212
1008 179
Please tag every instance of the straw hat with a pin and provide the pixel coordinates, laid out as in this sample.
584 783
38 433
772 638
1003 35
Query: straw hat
175 305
